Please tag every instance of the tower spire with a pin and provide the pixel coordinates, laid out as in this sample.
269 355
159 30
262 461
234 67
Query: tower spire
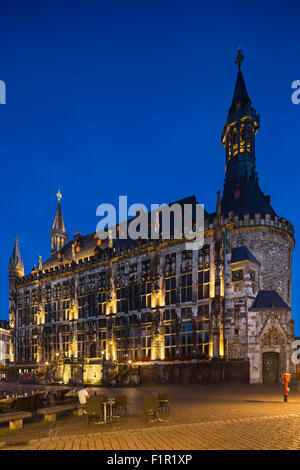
58 234
240 58
242 194
16 263
239 132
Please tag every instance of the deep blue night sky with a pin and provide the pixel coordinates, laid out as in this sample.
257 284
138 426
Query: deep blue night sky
129 98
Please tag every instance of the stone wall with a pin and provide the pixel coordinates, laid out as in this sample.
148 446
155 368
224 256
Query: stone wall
202 372
273 249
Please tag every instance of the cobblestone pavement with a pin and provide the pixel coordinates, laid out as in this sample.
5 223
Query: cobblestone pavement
202 417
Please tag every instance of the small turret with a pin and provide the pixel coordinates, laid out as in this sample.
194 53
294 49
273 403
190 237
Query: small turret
16 265
58 234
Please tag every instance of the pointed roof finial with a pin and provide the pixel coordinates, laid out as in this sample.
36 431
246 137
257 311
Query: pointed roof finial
58 194
16 262
240 58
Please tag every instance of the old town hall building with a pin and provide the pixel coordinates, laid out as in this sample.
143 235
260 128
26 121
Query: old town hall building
150 311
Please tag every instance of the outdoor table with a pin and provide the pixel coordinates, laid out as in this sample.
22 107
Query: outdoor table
105 404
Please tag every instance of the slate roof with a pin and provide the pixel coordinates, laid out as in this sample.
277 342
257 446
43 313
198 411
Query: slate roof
88 243
240 91
58 223
15 259
266 299
252 200
242 253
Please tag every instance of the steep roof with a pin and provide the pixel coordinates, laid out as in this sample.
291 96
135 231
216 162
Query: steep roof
246 198
59 221
88 244
15 260
240 94
242 253
269 299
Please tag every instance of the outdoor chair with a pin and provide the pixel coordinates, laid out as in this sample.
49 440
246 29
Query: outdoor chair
29 403
151 406
103 397
37 402
121 403
94 408
18 405
163 402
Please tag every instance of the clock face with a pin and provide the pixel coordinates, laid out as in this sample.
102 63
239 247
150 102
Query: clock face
237 275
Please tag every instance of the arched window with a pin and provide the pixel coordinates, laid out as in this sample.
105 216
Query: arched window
229 146
235 142
242 138
249 137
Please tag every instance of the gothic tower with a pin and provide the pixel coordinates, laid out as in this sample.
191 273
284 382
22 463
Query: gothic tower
58 234
242 193
15 270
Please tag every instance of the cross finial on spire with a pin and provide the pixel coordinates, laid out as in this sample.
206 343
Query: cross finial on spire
240 58
59 196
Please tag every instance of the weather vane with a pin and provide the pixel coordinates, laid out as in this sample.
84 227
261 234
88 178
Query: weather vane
240 58
59 196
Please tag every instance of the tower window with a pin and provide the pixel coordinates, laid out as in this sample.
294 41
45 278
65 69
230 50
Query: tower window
249 137
235 142
242 138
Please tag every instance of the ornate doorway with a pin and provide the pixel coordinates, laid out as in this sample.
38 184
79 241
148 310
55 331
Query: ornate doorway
270 367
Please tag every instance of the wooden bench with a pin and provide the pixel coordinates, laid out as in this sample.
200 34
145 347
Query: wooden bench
15 419
51 412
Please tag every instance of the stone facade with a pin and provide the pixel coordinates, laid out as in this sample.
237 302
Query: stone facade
152 311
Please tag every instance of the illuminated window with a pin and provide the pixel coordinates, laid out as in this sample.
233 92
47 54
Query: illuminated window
242 138
170 339
146 341
186 339
186 287
202 330
146 295
101 303
235 142
121 299
249 137
101 336
229 145
203 273
81 345
65 310
133 343
170 290
120 342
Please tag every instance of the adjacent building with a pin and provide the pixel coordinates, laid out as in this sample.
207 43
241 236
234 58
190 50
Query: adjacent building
4 348
152 310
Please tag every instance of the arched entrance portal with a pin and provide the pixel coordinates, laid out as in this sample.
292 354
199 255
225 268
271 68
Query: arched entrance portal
270 367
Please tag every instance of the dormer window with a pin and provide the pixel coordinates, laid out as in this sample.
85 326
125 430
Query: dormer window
237 275
237 194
